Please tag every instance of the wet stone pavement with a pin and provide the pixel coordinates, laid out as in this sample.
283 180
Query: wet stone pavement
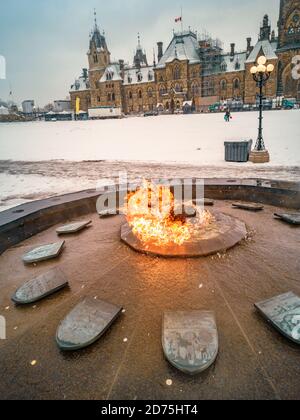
254 361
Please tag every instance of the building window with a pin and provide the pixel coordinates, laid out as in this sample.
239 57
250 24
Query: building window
113 97
109 75
237 65
130 95
223 85
140 94
176 73
223 66
208 88
95 58
195 89
236 84
162 90
140 77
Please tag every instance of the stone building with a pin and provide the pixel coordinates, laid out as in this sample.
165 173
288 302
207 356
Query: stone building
192 69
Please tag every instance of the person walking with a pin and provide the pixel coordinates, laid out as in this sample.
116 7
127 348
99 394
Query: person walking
227 116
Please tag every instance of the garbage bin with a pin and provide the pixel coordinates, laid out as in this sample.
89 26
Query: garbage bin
237 151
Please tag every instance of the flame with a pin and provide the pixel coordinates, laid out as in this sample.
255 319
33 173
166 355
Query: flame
151 215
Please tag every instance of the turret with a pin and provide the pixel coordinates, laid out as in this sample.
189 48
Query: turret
98 54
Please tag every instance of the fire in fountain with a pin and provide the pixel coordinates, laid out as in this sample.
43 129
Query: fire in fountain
158 224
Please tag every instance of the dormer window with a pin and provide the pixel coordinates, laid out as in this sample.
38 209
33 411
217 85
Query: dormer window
237 65
140 77
223 66
109 74
150 76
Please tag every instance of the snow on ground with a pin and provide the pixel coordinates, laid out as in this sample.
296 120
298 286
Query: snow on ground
162 139
41 159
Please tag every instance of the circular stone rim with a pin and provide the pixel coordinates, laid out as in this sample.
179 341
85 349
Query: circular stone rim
203 248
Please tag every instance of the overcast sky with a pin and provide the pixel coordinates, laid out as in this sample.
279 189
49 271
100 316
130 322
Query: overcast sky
45 42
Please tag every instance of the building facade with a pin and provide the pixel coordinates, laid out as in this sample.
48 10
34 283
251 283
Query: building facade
192 70
28 106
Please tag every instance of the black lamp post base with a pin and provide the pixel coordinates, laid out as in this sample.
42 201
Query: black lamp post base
262 156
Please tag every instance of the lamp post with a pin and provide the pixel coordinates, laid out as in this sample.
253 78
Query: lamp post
261 74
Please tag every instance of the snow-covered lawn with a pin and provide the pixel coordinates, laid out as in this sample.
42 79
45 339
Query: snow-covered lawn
48 158
185 138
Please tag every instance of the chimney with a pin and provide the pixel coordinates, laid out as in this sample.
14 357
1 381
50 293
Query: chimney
122 67
249 40
232 49
160 50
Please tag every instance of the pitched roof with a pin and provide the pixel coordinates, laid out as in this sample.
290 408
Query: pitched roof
81 84
268 48
98 39
235 63
112 73
184 46
138 76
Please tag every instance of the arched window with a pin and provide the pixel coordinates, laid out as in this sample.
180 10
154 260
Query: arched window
140 77
113 97
95 58
293 24
223 85
140 94
162 90
223 66
195 89
236 84
130 95
178 88
176 73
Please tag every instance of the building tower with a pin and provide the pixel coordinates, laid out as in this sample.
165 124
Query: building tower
289 25
140 58
265 30
98 54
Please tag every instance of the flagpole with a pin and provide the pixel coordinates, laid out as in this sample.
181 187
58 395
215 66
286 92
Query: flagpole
181 20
